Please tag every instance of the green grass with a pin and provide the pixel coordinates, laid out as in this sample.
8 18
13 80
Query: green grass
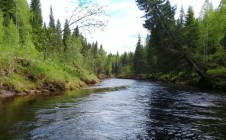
23 69
218 76
219 72
18 83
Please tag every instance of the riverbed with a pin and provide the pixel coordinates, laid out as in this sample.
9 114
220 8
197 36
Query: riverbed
116 109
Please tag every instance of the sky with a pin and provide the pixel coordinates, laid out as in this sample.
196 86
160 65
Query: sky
124 22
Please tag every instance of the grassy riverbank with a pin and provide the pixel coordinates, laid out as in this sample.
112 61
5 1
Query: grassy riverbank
25 72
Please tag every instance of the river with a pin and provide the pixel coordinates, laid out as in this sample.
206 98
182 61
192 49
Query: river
116 109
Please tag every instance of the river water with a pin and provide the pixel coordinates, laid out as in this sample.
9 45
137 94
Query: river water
116 109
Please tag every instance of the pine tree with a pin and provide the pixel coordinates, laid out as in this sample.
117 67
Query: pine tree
36 23
8 9
160 22
11 35
22 21
139 58
51 21
36 15
191 31
53 48
66 35
59 43
76 32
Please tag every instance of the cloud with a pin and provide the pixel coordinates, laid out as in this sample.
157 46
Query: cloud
125 22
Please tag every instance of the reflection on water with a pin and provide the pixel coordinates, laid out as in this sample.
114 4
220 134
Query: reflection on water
117 109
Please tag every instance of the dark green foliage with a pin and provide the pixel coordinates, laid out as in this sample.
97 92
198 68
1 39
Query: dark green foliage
223 42
36 17
59 43
8 8
66 34
38 35
139 58
76 32
51 21
191 31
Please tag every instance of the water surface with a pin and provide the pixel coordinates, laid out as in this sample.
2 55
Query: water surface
117 109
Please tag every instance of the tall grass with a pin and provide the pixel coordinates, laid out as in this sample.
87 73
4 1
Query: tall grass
23 68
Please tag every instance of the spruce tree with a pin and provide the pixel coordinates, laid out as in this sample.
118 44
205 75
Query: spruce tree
76 32
11 36
23 21
191 31
8 8
52 26
139 58
159 20
36 23
66 35
59 37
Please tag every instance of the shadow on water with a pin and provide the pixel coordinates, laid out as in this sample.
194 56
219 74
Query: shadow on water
116 109
177 114
19 117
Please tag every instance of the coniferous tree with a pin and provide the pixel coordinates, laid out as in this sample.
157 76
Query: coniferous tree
59 44
101 59
66 35
36 23
139 58
23 21
8 8
11 36
76 32
160 22
52 47
191 30
52 25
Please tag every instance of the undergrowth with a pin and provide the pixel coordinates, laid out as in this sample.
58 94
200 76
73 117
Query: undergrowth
22 70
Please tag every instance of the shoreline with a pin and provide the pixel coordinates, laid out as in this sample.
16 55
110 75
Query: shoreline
180 84
6 95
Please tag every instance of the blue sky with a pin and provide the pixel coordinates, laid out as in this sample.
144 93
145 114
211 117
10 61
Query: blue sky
125 22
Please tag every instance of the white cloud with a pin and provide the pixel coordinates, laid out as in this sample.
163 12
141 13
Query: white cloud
124 27
125 22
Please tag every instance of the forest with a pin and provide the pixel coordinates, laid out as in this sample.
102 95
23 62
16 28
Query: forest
39 57
184 50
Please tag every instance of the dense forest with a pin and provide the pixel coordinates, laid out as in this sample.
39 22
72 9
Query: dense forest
183 50
37 56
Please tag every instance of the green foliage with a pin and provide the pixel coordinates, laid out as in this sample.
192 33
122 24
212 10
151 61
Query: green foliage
23 21
69 61
51 20
217 72
11 35
1 27
191 31
66 35
38 35
8 9
139 58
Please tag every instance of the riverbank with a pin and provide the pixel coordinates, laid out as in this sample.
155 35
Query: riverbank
21 76
193 80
